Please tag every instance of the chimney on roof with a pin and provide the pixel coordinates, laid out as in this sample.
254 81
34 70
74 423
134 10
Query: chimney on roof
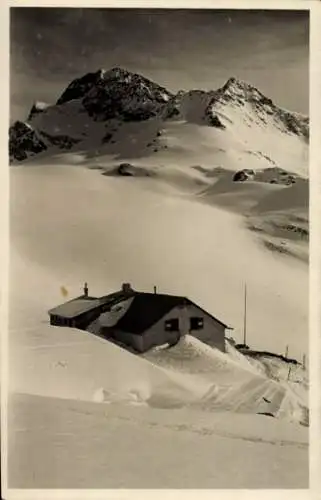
86 290
126 288
155 289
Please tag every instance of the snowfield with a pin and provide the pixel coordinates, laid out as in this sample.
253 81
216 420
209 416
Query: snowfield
111 446
96 411
98 408
70 225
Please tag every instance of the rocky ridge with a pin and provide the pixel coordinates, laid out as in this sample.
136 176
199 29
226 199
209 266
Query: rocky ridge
106 97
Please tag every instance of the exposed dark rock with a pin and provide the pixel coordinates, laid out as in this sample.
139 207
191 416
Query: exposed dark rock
172 109
24 141
275 175
290 180
125 169
295 124
107 137
214 121
243 175
303 232
128 170
80 86
128 96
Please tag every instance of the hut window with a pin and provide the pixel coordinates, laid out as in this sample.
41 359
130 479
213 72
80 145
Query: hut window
172 325
196 323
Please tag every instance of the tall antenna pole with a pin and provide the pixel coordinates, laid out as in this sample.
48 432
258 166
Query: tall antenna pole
245 313
289 372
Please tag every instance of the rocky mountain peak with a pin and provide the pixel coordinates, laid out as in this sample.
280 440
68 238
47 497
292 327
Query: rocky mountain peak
117 72
119 96
107 94
125 95
238 93
79 87
239 89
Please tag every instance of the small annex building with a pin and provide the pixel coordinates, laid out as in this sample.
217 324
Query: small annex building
140 320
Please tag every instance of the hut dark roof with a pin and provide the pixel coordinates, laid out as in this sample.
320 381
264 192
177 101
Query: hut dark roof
140 310
115 297
144 310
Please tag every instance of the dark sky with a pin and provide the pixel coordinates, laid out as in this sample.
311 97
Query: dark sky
180 49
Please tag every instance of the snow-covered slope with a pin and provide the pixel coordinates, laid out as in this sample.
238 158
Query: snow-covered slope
72 365
70 225
125 115
184 395
232 384
172 216
128 446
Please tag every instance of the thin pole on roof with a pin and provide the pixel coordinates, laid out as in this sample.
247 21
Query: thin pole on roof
245 316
